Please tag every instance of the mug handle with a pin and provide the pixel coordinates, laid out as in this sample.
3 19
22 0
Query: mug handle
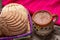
55 17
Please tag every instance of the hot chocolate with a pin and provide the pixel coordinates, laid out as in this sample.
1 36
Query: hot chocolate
42 17
43 23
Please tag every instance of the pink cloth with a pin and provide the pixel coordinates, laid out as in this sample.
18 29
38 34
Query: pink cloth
34 5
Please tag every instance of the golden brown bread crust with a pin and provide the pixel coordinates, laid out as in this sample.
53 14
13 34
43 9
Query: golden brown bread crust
15 19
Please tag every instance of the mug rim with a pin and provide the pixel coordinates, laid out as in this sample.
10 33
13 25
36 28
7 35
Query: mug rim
42 11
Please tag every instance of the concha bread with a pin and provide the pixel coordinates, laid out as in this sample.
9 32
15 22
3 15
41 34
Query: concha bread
15 17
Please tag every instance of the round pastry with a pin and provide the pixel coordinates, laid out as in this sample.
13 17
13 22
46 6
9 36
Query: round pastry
15 17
